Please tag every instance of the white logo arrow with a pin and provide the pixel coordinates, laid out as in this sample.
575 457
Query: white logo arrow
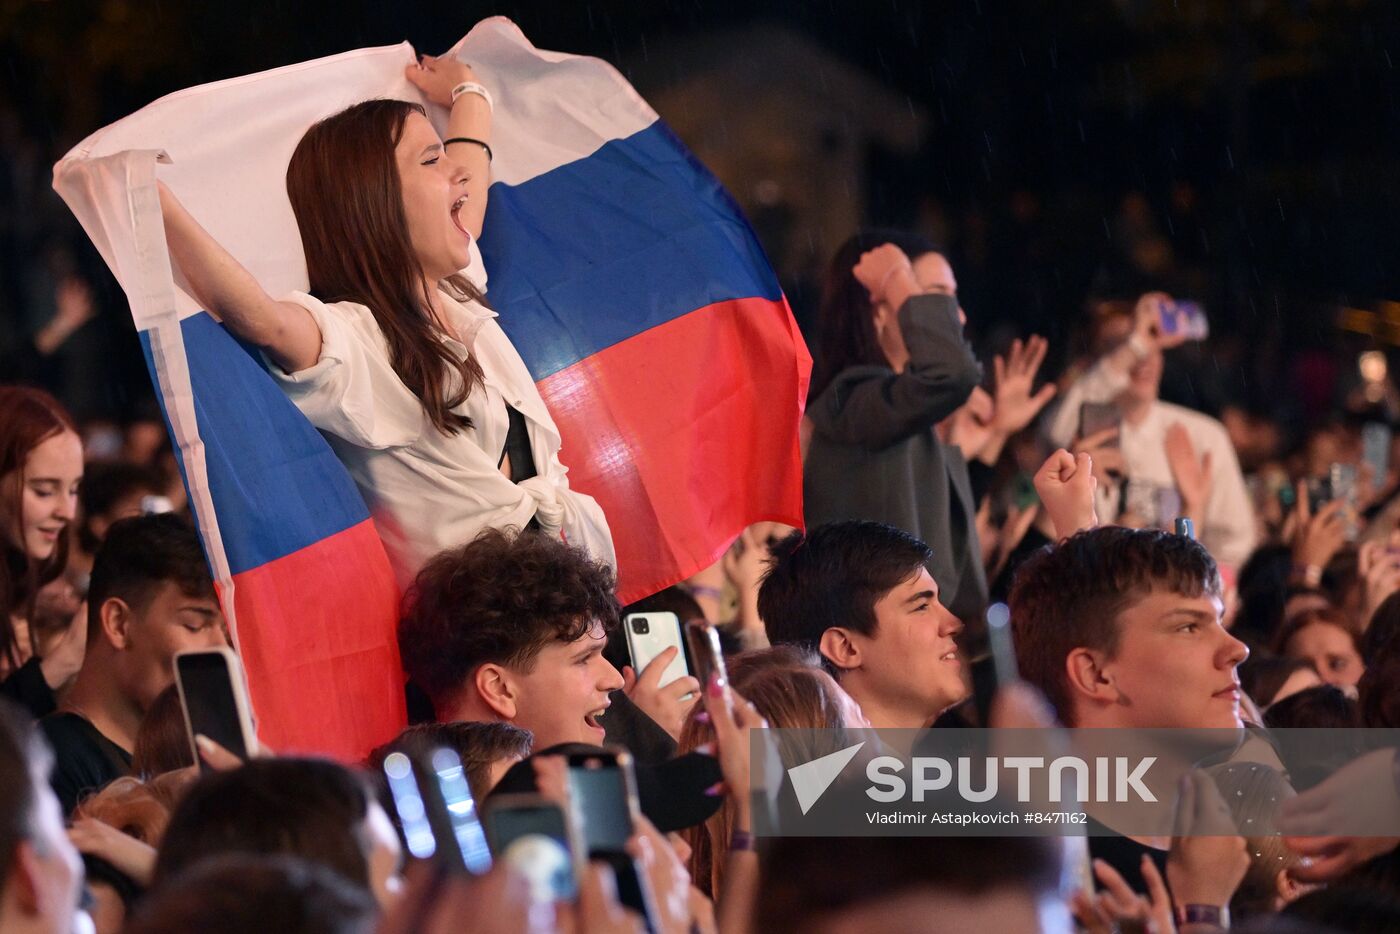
811 779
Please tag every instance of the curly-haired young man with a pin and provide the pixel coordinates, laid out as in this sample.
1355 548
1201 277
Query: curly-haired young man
512 628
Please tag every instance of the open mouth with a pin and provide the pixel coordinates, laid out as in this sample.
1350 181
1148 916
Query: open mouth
951 656
592 719
457 215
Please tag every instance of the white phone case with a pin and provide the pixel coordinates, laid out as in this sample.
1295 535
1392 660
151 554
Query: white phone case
663 632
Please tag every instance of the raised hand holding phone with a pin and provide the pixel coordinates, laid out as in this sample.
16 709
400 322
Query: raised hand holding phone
533 835
437 810
215 703
603 789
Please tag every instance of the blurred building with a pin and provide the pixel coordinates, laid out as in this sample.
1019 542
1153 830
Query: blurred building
786 126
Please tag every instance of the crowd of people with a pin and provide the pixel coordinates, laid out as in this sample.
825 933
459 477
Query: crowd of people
1161 568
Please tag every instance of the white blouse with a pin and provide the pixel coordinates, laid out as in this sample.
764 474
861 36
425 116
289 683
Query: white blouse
429 491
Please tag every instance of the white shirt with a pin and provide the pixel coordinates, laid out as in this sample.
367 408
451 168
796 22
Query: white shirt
429 491
1228 526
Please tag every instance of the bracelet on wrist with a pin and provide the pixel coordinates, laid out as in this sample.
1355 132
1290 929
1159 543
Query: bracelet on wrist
1309 575
1218 915
472 87
469 139
704 590
741 841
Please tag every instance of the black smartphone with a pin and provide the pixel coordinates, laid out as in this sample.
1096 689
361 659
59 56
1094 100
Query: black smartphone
998 668
603 790
705 652
214 700
551 870
1375 447
1095 417
437 810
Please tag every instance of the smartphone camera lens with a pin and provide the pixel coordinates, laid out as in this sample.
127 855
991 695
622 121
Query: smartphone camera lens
641 627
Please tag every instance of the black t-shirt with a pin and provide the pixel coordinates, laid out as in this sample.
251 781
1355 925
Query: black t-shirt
27 687
84 759
1124 854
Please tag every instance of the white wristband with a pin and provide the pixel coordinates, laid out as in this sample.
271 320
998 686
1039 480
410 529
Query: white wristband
471 87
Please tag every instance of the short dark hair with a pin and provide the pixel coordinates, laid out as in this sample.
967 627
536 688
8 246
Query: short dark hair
806 880
834 575
1068 596
1379 691
1382 636
1325 706
1264 674
478 745
22 752
240 892
139 555
106 483
311 808
500 599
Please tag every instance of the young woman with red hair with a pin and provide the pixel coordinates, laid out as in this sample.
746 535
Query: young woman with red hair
41 465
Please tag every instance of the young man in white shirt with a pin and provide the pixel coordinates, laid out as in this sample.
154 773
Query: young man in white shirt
1163 447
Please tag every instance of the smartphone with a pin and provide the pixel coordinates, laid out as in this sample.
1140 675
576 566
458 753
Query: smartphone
215 700
603 790
1095 417
437 810
604 793
1168 507
1144 500
1187 319
1342 482
650 634
1375 448
705 650
999 667
521 828
1023 494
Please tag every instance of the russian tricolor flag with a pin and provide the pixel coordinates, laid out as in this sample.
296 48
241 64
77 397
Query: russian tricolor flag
644 306
625 276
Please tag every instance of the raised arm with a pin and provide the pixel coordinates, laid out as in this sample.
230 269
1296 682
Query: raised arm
285 330
470 120
873 407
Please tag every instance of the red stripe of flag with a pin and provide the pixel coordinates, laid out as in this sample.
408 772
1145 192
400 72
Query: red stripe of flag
317 627
727 459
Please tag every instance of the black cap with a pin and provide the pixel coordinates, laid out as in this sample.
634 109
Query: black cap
671 793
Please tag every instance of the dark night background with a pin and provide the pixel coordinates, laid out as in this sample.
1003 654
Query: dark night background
1239 151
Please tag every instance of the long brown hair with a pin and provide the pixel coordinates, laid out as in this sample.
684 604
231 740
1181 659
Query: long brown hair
344 185
845 319
28 418
789 690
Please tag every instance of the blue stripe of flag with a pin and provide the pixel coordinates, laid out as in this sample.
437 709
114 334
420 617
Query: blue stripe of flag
277 486
603 248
